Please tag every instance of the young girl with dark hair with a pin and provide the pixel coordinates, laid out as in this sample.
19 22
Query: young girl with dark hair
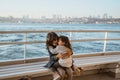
64 51
51 43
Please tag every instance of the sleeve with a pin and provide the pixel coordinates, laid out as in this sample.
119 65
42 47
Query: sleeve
53 50
68 53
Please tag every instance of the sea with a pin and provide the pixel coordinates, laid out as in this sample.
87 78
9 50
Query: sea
16 51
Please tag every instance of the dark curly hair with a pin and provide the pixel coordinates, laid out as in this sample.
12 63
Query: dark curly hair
65 39
51 36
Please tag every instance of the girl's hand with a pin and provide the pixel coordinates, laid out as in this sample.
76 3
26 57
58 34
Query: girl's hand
69 53
58 56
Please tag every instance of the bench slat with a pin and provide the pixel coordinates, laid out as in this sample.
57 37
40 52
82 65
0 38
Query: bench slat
37 67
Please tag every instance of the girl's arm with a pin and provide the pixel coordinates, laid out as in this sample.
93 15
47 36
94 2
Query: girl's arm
58 56
53 50
69 53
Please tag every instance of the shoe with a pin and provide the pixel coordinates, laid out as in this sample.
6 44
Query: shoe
56 76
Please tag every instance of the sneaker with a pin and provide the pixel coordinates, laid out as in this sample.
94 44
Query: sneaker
56 76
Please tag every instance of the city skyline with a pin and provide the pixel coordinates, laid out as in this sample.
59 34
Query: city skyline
102 16
79 8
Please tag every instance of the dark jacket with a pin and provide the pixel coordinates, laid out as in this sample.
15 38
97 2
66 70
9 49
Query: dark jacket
52 59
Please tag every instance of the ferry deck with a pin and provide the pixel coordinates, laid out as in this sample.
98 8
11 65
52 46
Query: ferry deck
95 66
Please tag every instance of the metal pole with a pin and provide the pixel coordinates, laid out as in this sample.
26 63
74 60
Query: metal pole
25 47
106 35
70 36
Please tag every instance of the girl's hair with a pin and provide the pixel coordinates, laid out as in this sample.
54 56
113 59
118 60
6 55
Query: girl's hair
65 39
51 36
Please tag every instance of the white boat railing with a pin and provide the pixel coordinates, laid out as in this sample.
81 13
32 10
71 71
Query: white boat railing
25 42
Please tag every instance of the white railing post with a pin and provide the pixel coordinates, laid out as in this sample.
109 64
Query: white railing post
70 37
106 35
25 47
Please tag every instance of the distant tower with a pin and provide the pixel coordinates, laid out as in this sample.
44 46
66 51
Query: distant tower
105 15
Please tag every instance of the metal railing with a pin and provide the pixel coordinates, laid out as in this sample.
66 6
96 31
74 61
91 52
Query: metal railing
25 42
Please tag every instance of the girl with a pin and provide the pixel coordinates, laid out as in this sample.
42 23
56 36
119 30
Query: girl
51 43
64 52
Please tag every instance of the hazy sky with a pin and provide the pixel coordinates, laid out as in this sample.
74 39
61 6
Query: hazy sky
73 8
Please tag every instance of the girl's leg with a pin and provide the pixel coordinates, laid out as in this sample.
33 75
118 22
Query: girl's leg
76 70
55 73
69 73
61 71
56 76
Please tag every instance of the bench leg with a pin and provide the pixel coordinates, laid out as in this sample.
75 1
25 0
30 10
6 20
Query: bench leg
114 70
118 71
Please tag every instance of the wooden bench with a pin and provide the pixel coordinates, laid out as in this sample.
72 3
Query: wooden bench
37 69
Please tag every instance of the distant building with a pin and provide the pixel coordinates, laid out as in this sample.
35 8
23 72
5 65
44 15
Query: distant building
105 16
25 17
43 17
110 17
98 16
57 16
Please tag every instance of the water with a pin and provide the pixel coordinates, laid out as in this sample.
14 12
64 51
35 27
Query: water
16 51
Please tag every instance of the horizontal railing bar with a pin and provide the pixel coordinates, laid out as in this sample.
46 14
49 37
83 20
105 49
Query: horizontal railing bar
46 31
34 42
84 40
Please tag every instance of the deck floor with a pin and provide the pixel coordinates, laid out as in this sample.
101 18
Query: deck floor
102 76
